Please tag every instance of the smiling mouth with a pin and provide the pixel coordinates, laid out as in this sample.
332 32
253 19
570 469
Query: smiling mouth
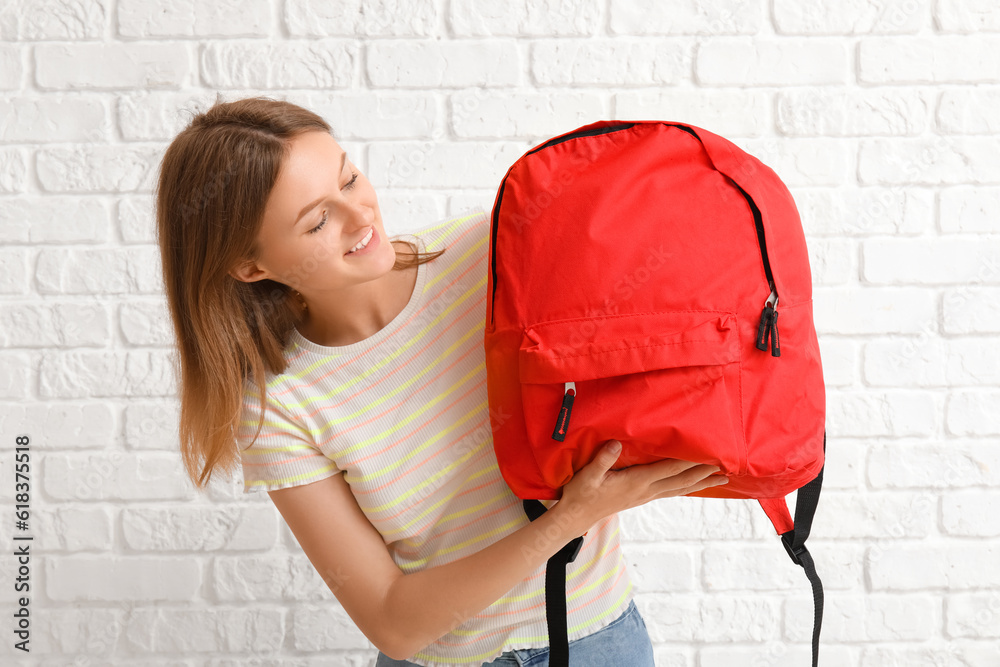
363 242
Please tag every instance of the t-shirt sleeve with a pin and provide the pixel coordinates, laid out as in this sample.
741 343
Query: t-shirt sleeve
283 455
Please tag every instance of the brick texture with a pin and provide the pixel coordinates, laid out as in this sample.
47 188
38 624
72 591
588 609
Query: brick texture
881 117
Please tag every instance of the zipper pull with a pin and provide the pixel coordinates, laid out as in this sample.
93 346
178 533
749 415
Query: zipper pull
765 326
562 423
775 351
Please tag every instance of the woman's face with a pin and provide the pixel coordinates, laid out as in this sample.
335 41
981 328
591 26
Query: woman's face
322 206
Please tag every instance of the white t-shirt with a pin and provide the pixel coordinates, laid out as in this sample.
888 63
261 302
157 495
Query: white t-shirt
404 414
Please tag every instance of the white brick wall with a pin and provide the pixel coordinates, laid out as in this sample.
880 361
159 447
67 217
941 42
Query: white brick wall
882 117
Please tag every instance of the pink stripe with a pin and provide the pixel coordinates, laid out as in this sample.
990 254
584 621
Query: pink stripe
366 388
396 406
268 408
401 367
278 463
407 508
429 458
398 330
621 573
480 637
427 546
301 353
588 541
493 482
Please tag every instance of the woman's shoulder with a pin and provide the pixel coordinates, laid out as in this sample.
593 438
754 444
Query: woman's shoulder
443 231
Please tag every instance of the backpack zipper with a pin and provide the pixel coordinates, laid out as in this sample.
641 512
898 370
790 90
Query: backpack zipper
562 421
767 326
496 208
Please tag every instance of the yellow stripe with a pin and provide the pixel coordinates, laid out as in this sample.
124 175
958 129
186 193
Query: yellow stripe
607 575
578 571
628 589
258 451
293 478
574 628
290 429
443 519
325 398
427 511
540 591
408 524
453 224
478 659
458 263
474 508
476 329
426 407
482 472
461 545
476 411
430 480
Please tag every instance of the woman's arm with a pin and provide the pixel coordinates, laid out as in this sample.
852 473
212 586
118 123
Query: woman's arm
432 602
402 614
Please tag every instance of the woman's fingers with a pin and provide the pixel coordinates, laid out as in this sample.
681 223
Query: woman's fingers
647 473
706 483
685 481
651 473
703 484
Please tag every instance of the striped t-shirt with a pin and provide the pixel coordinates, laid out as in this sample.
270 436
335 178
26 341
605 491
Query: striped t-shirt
404 415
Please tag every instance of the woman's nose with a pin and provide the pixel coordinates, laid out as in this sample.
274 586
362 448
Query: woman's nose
361 215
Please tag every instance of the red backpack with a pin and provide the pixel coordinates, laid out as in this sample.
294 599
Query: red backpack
637 273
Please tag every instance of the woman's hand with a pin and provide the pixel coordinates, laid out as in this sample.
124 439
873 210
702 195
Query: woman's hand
596 491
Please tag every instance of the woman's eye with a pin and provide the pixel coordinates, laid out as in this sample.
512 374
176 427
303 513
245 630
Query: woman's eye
319 226
322 222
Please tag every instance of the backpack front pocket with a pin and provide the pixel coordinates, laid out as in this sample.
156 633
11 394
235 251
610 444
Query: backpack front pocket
666 384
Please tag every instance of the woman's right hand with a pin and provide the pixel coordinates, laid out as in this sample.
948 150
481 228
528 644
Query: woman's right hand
596 491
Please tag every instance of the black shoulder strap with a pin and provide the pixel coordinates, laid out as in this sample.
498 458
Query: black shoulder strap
555 590
794 542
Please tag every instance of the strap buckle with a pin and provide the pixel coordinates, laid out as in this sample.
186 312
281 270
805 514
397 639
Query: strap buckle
793 552
572 549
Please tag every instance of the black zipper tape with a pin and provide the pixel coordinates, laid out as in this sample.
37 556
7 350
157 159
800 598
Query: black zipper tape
496 209
767 327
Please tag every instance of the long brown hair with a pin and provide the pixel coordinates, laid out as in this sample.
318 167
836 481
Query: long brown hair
214 181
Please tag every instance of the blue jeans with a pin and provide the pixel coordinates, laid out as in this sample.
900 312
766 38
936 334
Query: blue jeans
623 642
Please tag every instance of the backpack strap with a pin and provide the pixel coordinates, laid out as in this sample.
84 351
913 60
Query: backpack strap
555 590
794 543
806 501
793 538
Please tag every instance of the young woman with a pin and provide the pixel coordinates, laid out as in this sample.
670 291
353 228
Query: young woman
343 372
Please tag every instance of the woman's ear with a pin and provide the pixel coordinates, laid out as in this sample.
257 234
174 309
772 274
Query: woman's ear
247 271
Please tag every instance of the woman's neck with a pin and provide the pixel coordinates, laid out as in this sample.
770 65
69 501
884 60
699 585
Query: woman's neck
325 324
